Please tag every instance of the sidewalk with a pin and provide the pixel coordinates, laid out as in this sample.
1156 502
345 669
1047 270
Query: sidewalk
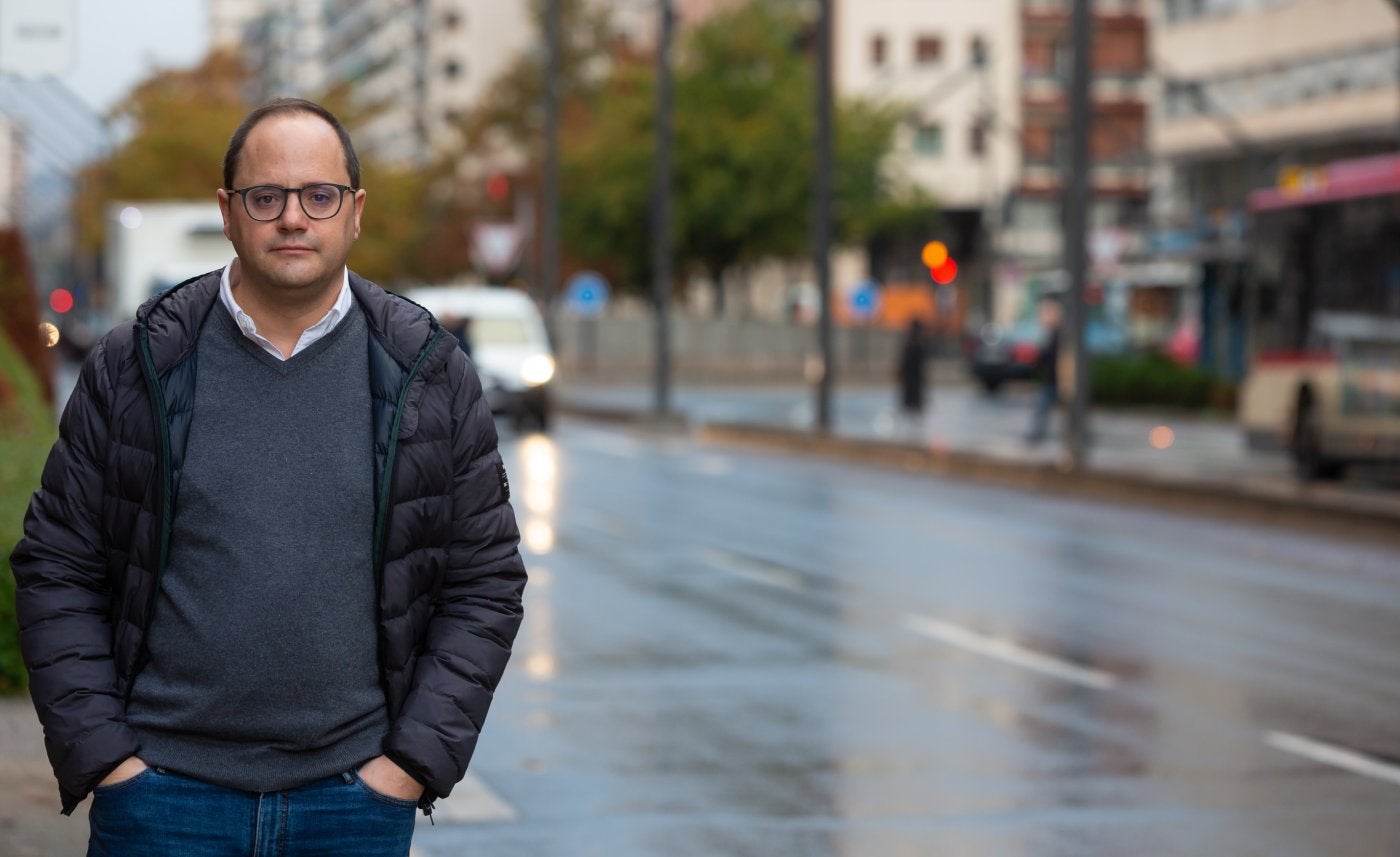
1171 456
30 823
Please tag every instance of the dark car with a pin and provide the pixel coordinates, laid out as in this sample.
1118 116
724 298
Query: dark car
999 353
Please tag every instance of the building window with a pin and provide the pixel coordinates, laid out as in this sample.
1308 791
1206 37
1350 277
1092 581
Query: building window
928 139
877 51
452 69
451 20
977 138
928 50
978 52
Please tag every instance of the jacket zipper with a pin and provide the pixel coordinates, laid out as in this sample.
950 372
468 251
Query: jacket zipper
381 514
148 367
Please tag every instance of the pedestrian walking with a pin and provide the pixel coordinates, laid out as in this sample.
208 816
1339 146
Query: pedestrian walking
270 579
1047 396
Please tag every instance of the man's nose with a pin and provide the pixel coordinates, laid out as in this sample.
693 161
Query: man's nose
293 215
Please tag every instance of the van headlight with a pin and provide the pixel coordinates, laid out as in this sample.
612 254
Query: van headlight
537 369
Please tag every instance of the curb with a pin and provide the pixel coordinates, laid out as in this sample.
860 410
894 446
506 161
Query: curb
1301 509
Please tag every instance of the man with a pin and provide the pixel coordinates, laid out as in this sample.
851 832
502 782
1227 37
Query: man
271 578
1047 371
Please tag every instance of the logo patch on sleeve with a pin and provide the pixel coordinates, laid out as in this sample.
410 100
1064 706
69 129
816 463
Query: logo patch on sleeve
505 480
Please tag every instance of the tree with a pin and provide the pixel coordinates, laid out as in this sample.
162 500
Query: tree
743 155
178 122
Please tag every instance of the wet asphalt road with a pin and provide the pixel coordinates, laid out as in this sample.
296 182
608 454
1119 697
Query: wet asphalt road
727 653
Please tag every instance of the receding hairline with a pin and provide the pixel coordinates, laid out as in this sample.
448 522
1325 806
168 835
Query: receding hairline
290 108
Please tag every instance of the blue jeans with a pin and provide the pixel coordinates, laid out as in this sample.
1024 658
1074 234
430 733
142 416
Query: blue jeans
161 814
1046 398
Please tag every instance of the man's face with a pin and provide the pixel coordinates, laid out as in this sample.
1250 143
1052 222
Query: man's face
292 256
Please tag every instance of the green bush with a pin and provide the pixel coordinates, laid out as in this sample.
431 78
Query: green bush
1155 380
26 432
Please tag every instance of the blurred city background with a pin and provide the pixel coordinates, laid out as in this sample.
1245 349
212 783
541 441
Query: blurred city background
781 603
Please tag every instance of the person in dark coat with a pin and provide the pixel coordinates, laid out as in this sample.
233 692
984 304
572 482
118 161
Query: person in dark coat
913 360
271 577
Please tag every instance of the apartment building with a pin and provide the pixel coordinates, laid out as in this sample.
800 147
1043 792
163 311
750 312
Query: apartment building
418 67
953 70
229 20
12 175
286 45
1251 91
414 68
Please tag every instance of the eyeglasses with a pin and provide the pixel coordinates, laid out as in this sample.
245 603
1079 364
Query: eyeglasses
265 202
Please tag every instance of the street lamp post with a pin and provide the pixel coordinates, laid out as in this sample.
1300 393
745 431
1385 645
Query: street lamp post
1077 195
661 211
821 213
549 225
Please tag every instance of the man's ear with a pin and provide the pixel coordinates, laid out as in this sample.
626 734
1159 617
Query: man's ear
358 200
224 200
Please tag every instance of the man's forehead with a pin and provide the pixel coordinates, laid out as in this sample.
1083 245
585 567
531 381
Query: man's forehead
308 137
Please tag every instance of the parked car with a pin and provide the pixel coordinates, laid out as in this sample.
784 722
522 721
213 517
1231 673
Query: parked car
507 342
999 353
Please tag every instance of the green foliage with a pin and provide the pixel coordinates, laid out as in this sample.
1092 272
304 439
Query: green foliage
1155 380
180 121
743 152
26 432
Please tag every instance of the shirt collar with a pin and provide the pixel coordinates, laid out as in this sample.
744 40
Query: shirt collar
308 337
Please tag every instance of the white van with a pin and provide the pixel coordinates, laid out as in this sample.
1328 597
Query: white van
507 341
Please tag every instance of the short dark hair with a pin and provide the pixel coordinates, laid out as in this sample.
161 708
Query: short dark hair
282 107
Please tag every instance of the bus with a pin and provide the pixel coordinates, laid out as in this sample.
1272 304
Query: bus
1324 380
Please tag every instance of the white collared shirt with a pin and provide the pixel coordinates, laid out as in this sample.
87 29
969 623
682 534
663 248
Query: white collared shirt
308 337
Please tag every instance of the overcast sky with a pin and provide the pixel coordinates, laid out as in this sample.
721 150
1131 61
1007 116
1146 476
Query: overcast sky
119 44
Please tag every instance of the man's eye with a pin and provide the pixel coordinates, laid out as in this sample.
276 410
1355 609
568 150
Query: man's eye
266 198
321 196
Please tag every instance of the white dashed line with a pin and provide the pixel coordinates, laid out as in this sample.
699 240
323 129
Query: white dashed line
754 570
1009 652
1333 755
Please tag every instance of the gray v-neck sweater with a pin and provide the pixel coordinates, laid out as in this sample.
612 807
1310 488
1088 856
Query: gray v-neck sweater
263 672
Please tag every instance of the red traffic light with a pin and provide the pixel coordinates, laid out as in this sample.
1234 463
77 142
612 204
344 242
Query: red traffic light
60 300
945 273
498 187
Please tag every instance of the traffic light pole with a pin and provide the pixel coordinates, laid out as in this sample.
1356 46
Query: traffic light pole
1077 187
661 211
549 227
821 211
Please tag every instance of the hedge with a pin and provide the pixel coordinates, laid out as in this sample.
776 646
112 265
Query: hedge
1155 380
26 433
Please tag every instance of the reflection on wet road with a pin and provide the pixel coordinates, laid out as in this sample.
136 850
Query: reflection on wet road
727 653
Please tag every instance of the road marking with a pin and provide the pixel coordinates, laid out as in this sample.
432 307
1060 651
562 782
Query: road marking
471 802
1009 652
1334 755
769 574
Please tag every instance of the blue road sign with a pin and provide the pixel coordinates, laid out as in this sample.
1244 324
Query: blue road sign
865 300
587 293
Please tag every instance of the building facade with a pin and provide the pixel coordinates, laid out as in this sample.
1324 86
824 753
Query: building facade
286 45
12 175
417 68
1253 92
229 20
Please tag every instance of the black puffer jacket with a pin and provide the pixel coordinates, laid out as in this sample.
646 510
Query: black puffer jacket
449 571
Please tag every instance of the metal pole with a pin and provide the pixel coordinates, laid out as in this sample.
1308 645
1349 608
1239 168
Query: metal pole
661 210
1078 184
821 214
546 288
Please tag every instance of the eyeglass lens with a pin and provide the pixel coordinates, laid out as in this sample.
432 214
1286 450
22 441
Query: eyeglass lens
265 202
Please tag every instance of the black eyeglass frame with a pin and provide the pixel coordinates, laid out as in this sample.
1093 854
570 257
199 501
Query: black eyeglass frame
287 192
